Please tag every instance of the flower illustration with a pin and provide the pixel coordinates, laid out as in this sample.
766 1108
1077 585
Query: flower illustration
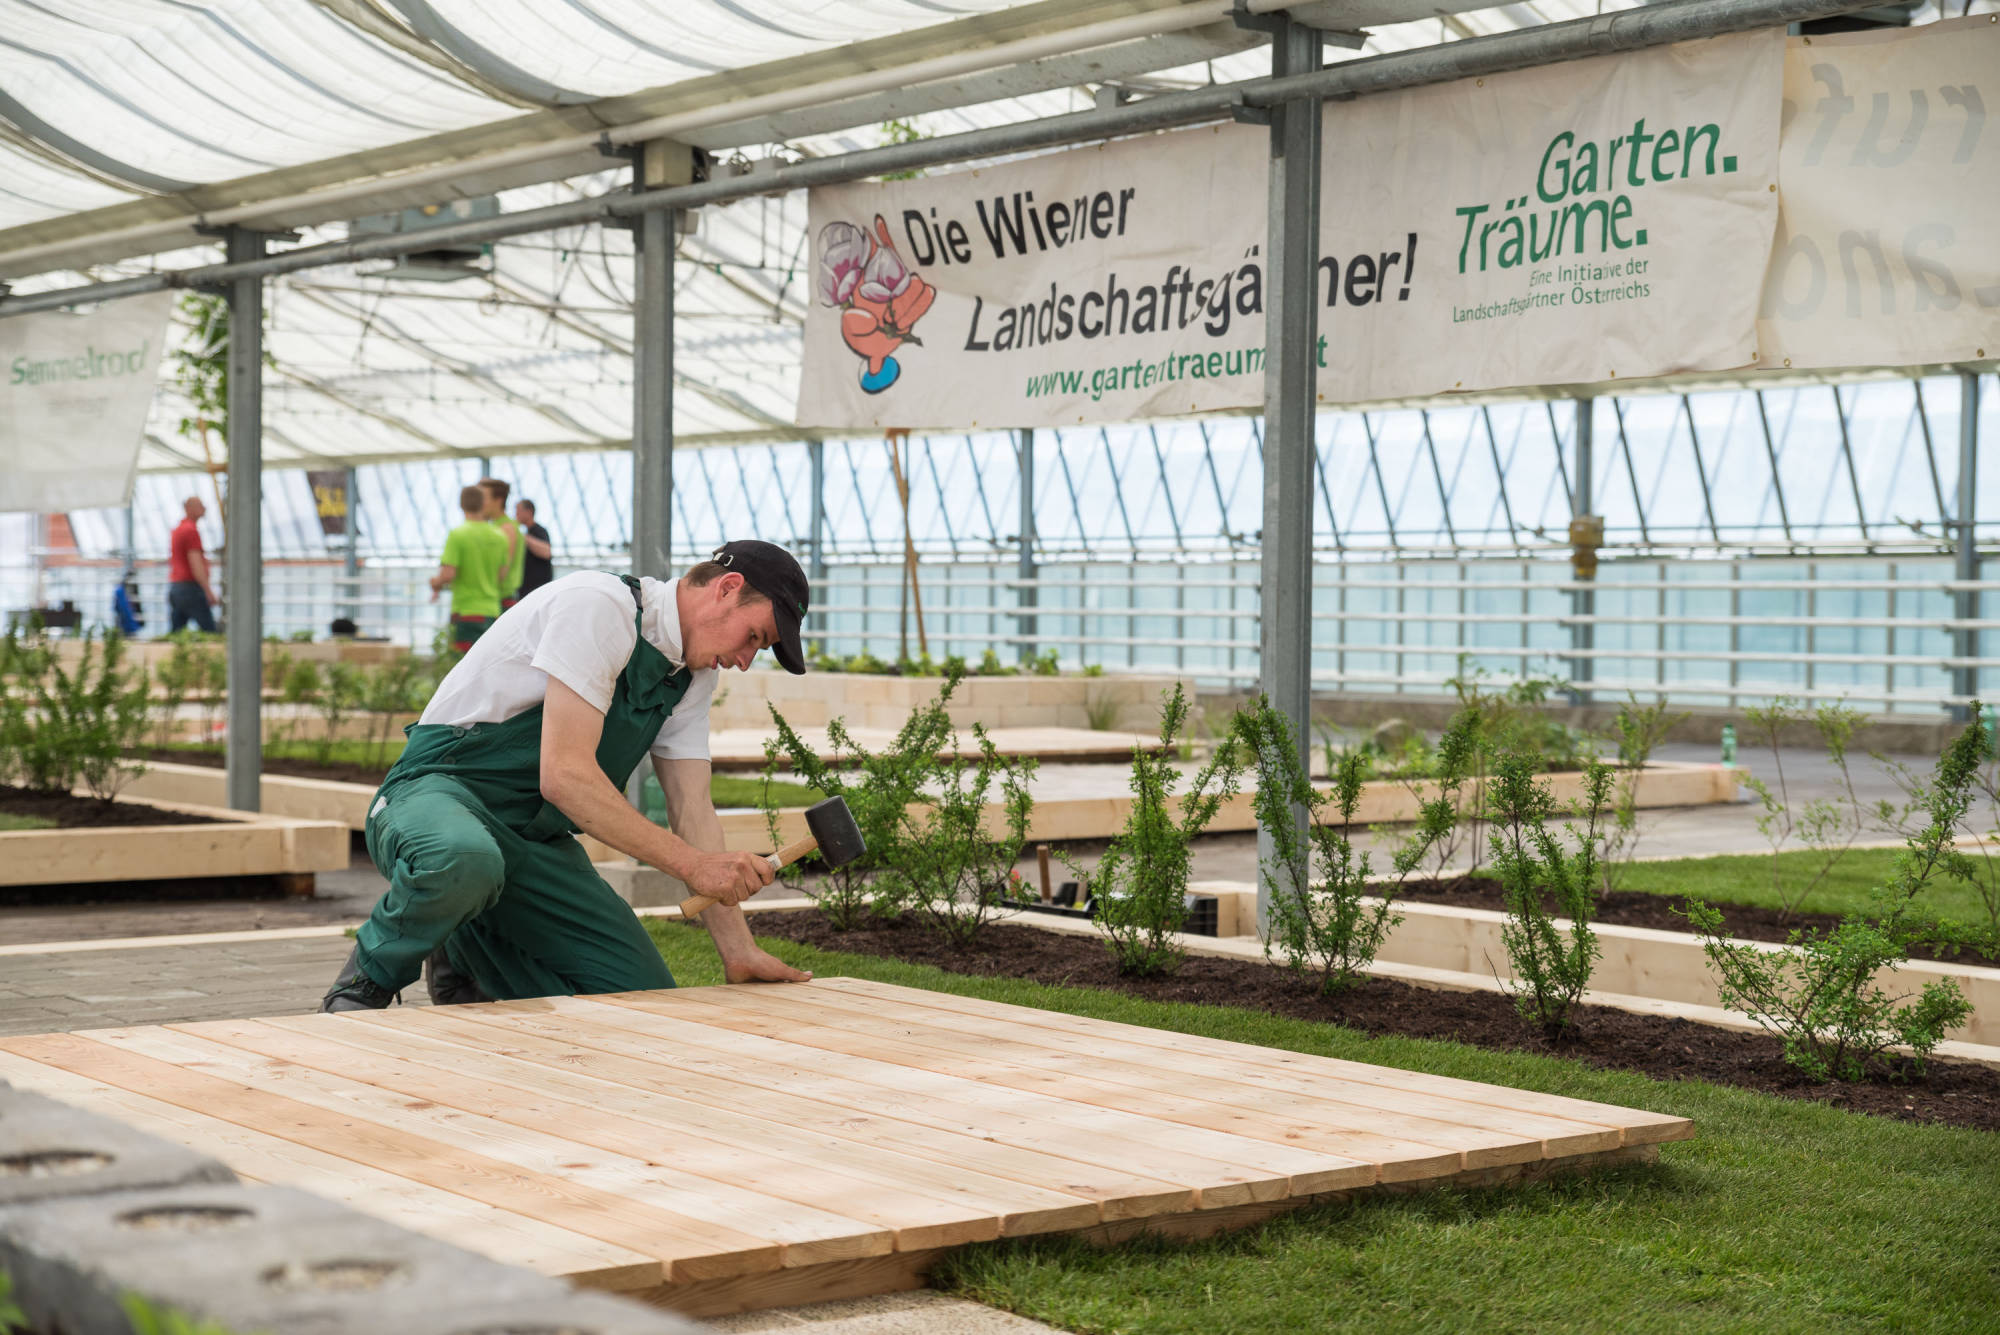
879 299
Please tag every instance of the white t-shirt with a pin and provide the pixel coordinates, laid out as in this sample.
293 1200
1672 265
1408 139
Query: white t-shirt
578 630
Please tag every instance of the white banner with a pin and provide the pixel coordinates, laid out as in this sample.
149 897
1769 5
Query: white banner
74 390
1598 219
1888 245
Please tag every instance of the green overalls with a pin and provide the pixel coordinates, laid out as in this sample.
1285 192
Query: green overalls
478 861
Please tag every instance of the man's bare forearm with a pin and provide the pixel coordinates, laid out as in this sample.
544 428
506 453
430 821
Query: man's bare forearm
727 927
601 811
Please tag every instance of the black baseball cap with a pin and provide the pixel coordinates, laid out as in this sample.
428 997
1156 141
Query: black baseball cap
770 569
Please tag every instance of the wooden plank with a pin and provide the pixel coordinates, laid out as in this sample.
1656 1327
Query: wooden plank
1129 1143
805 1235
693 1248
532 1062
895 1273
1637 1127
1555 1137
913 1198
503 1235
1283 1125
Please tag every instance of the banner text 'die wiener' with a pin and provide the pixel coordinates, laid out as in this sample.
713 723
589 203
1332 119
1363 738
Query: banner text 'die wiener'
1605 217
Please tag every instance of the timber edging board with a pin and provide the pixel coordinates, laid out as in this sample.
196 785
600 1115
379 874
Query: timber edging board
725 1148
1664 784
242 843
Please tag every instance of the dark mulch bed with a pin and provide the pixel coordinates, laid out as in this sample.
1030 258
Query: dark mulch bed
295 769
1953 1093
70 812
179 890
1634 908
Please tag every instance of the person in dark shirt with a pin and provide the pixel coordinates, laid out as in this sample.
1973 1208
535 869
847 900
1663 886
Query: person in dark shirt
537 568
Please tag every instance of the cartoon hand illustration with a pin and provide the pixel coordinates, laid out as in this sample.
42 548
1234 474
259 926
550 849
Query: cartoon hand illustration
880 299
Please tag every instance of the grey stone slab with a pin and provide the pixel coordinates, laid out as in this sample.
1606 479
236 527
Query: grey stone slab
254 1258
50 1150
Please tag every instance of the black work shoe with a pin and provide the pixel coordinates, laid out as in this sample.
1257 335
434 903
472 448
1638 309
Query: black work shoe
447 984
354 990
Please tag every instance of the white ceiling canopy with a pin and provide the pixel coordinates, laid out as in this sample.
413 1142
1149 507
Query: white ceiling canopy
127 126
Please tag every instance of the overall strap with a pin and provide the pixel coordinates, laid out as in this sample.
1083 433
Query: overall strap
638 597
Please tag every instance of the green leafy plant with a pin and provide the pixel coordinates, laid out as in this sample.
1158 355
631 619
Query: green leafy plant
341 691
1101 710
1638 730
1139 887
954 870
1449 792
72 727
1536 871
1981 870
398 686
991 666
1827 826
298 686
877 786
178 677
1327 928
1821 994
1047 663
148 1319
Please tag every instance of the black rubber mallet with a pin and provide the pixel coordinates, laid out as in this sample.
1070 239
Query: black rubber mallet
834 834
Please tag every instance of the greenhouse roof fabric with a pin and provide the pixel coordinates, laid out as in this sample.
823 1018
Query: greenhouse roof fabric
127 127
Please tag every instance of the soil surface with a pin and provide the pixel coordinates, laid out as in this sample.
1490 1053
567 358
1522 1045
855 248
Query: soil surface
1633 908
1952 1093
70 812
368 775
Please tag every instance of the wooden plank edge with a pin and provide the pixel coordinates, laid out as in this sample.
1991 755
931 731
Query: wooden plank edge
902 1271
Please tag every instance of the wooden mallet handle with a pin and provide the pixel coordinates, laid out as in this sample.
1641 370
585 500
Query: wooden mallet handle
692 906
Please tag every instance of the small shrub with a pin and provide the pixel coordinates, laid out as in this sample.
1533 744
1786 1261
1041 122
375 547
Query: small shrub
68 728
991 666
952 873
1826 826
1820 996
393 687
340 692
1047 663
1324 930
1101 710
298 689
878 787
1638 730
1445 808
1139 886
1533 867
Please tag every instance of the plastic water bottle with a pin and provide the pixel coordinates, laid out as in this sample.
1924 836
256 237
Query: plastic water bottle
1729 743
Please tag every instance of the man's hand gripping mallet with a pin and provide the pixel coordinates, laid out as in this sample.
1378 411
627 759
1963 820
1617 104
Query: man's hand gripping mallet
834 834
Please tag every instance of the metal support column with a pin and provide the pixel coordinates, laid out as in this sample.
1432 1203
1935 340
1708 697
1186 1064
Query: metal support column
653 379
1965 640
243 564
1583 603
1026 623
1290 393
351 565
816 531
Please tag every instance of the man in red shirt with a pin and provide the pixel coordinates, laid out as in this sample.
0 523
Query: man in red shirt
189 596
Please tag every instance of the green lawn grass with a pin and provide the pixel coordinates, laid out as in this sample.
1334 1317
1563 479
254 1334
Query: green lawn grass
8 822
1780 1216
727 790
1746 879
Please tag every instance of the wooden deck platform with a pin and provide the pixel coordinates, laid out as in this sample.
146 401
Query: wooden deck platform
722 1149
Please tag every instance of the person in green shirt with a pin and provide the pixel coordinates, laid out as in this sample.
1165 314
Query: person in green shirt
474 554
496 515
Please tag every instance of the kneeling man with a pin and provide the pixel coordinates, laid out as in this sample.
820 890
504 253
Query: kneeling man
530 739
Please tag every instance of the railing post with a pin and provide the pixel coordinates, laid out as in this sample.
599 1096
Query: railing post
351 564
1290 399
243 563
1583 603
1965 640
1027 624
816 530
